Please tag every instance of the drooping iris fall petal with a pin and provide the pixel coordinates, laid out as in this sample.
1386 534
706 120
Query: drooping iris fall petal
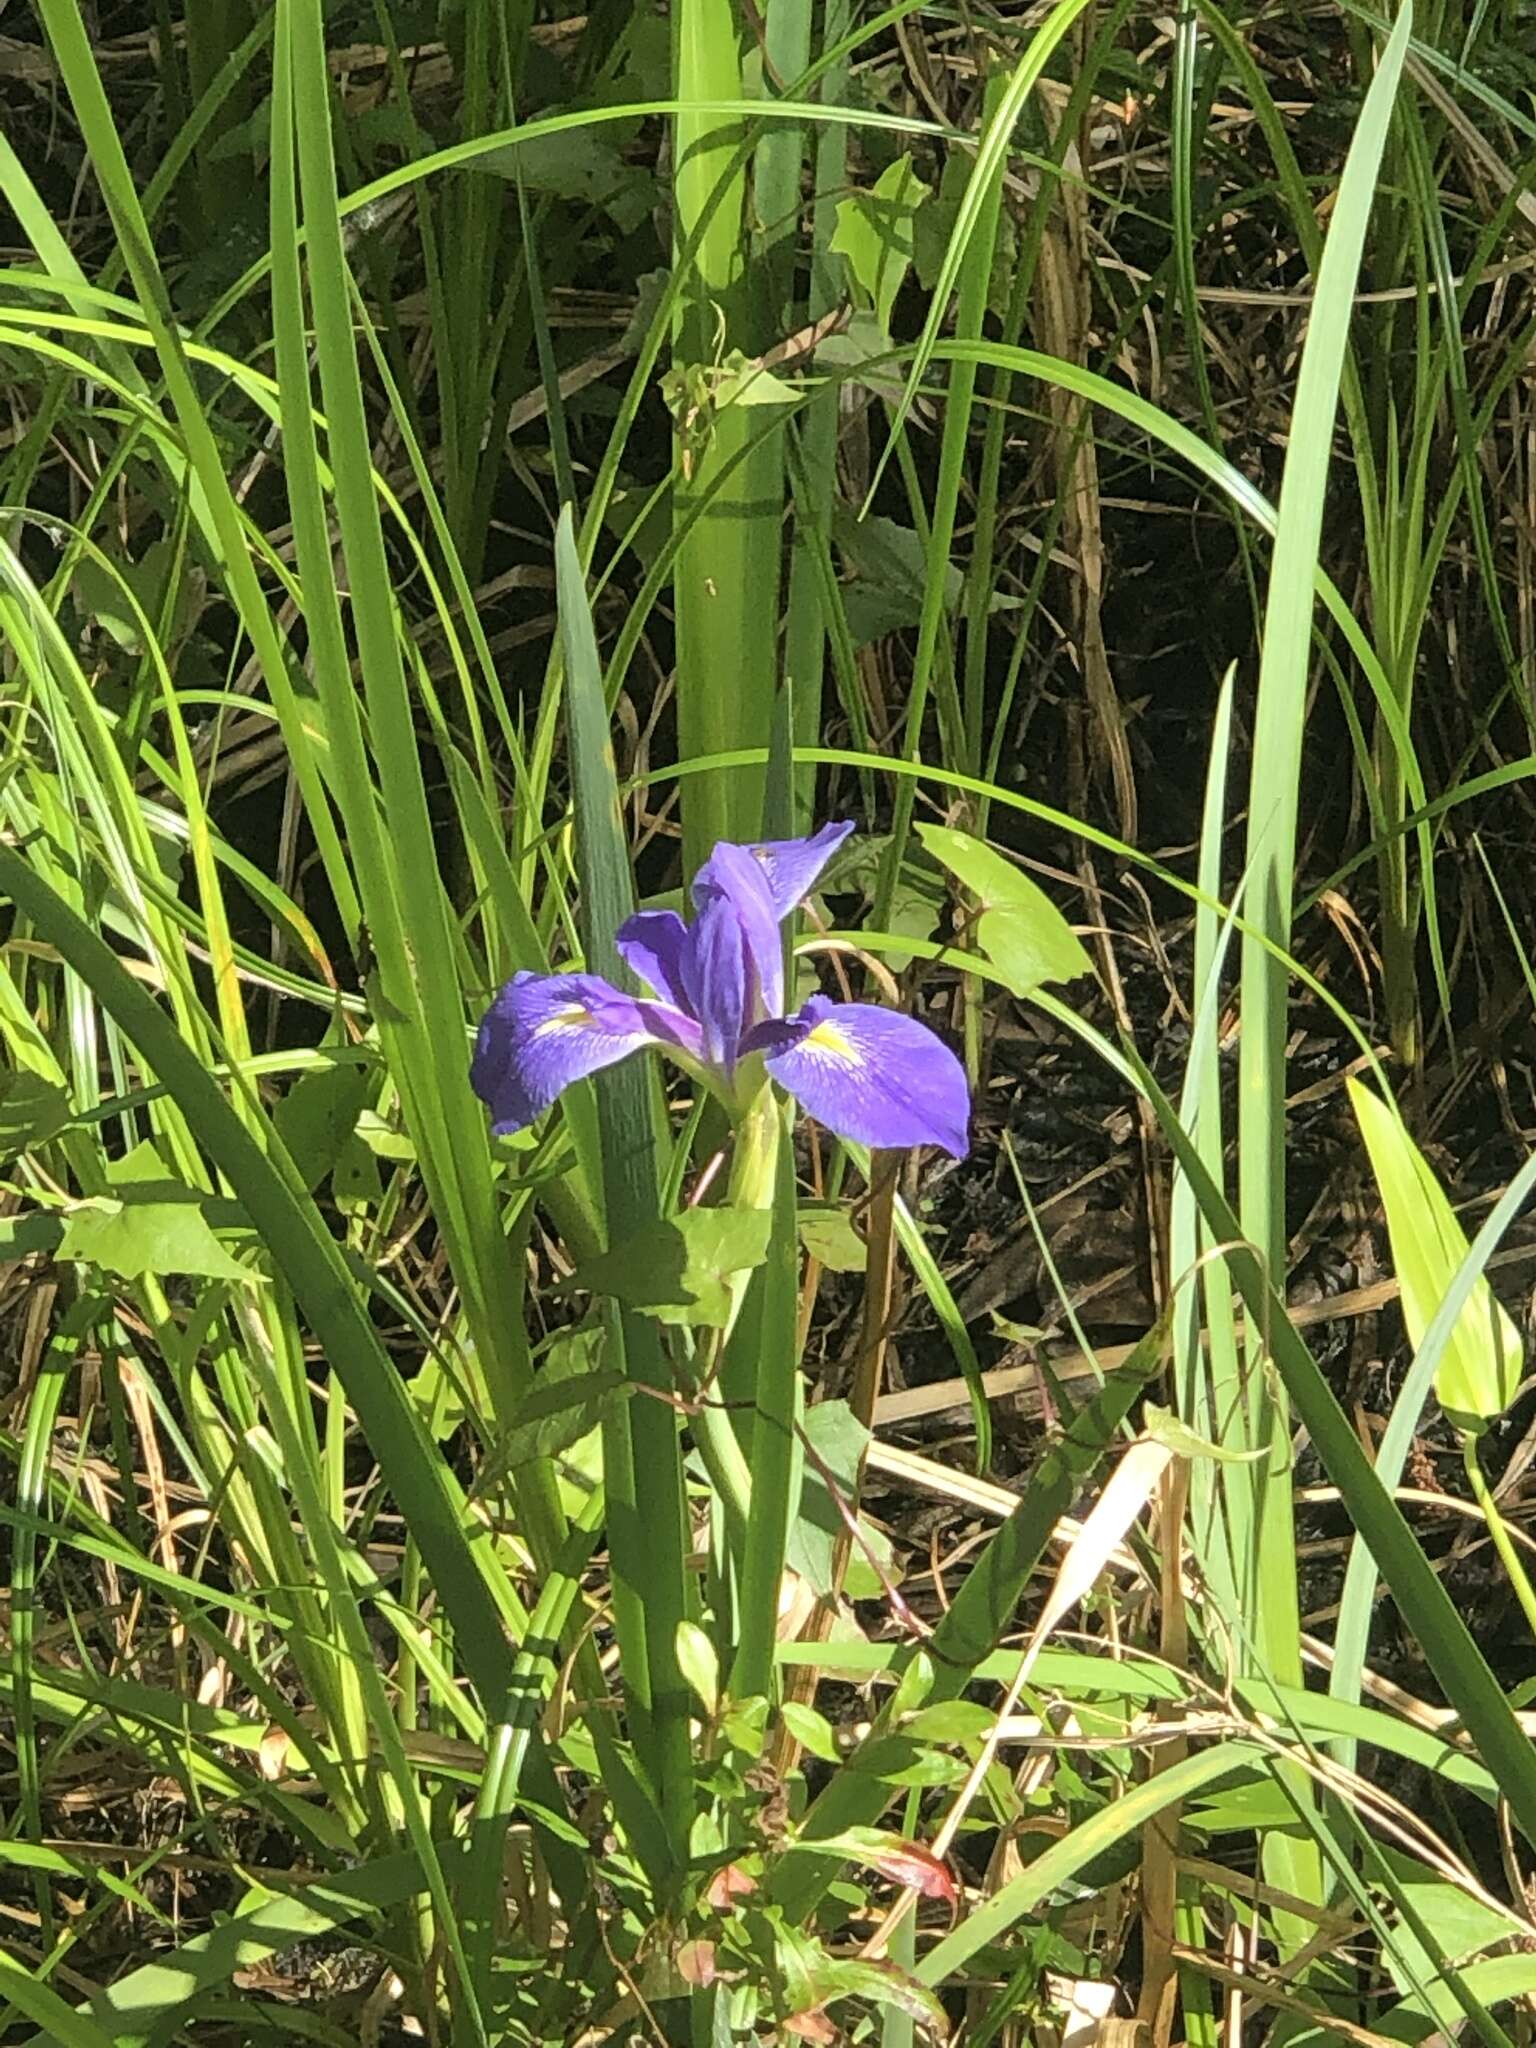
872 1075
545 1031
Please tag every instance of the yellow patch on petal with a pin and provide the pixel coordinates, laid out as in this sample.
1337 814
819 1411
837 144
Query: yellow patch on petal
826 1037
574 1017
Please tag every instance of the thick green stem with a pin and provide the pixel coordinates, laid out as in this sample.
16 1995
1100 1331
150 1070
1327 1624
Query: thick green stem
722 1439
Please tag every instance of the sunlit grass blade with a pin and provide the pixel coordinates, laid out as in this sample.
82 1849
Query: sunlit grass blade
1427 1608
1357 1603
420 1007
982 207
292 1230
214 502
643 1470
1274 796
1207 1359
981 189
975 1621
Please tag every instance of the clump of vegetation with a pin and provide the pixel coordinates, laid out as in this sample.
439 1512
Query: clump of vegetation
980 1497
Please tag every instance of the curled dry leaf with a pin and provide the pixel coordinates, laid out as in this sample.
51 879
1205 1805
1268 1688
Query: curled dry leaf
910 1864
272 1754
696 1963
730 1882
811 2026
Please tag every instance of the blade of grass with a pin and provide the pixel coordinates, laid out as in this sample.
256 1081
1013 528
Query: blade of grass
982 200
218 514
1208 1364
1357 1602
1426 1607
642 1455
267 1185
1279 719
982 1610
420 1007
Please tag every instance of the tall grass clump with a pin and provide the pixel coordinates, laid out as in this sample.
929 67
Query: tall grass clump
763 1026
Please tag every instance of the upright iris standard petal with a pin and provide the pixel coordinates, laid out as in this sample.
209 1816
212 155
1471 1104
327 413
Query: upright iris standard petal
793 866
545 1031
717 977
762 884
732 891
871 1075
654 943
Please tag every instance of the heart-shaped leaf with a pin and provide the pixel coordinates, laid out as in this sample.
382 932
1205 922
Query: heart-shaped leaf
1020 930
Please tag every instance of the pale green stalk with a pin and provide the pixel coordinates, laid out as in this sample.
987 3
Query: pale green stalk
726 576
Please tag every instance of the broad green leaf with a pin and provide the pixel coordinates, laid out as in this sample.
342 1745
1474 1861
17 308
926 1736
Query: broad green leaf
906 1766
1020 930
699 1664
103 600
32 1110
827 1232
884 1984
566 1404
837 1438
103 592
679 1269
935 226
890 577
1481 1367
744 1724
950 1721
156 1227
1460 1923
875 232
811 1730
135 1238
903 1862
319 1114
579 165
916 895
383 1140
355 1179
143 1173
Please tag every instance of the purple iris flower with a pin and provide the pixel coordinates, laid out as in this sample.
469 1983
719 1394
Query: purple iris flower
717 1008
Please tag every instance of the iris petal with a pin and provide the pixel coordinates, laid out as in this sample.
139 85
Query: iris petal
871 1075
718 974
732 882
762 884
793 866
545 1031
654 944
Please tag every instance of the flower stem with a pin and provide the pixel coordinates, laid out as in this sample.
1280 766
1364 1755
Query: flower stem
726 1426
1498 1530
726 1465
